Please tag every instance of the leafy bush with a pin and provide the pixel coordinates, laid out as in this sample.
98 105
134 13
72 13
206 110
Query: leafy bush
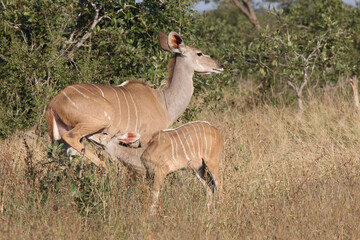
46 45
277 56
86 183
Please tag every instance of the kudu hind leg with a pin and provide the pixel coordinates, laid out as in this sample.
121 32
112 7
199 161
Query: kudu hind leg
73 137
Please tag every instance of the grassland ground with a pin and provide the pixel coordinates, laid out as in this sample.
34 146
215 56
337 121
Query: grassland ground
281 179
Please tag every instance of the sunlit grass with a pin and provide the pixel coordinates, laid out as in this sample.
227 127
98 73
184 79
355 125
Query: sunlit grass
281 178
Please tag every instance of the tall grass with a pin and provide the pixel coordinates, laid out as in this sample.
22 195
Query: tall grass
281 178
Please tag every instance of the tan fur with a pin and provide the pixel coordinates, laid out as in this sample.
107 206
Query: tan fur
196 146
102 112
170 68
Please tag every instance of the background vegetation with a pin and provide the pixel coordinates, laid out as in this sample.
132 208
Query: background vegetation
290 167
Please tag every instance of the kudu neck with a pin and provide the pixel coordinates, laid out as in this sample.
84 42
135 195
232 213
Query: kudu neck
179 89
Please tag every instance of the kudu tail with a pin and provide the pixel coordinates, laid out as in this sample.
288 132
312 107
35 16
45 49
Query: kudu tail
50 123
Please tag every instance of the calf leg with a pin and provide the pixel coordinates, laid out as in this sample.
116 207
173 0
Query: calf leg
158 183
200 175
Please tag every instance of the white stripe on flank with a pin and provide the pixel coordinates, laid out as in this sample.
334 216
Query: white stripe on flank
176 145
201 137
183 147
128 108
102 93
86 89
83 94
136 111
198 141
186 140
70 100
201 140
211 138
192 143
172 147
205 155
95 99
173 129
189 123
195 141
117 97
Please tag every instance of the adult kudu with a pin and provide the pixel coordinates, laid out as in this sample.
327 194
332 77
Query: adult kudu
130 111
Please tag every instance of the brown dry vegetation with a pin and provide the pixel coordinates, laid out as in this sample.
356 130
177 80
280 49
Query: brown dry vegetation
282 179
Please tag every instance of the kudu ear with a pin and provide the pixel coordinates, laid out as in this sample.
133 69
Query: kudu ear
128 138
172 43
176 43
163 40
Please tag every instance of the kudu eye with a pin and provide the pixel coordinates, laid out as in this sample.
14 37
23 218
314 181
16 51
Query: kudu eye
200 54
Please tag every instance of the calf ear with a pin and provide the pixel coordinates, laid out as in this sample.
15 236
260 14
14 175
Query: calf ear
129 137
176 43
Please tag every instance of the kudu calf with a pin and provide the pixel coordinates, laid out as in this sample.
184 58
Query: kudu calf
196 146
102 112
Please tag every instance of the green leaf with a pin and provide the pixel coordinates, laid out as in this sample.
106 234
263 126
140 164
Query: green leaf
73 190
262 71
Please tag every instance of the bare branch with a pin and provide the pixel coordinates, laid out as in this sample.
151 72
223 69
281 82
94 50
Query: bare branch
292 85
88 34
313 66
304 82
70 40
241 7
18 27
248 12
125 6
3 5
266 66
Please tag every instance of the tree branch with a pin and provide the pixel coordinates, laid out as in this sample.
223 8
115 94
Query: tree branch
3 5
88 34
292 85
248 12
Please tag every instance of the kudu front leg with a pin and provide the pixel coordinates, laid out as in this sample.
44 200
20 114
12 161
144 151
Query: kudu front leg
158 183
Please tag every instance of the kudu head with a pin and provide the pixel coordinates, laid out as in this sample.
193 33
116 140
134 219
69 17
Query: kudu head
195 59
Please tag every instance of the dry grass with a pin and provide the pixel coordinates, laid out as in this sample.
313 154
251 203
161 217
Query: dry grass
281 179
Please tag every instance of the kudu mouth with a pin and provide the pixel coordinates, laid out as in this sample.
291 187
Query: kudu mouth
217 70
214 70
